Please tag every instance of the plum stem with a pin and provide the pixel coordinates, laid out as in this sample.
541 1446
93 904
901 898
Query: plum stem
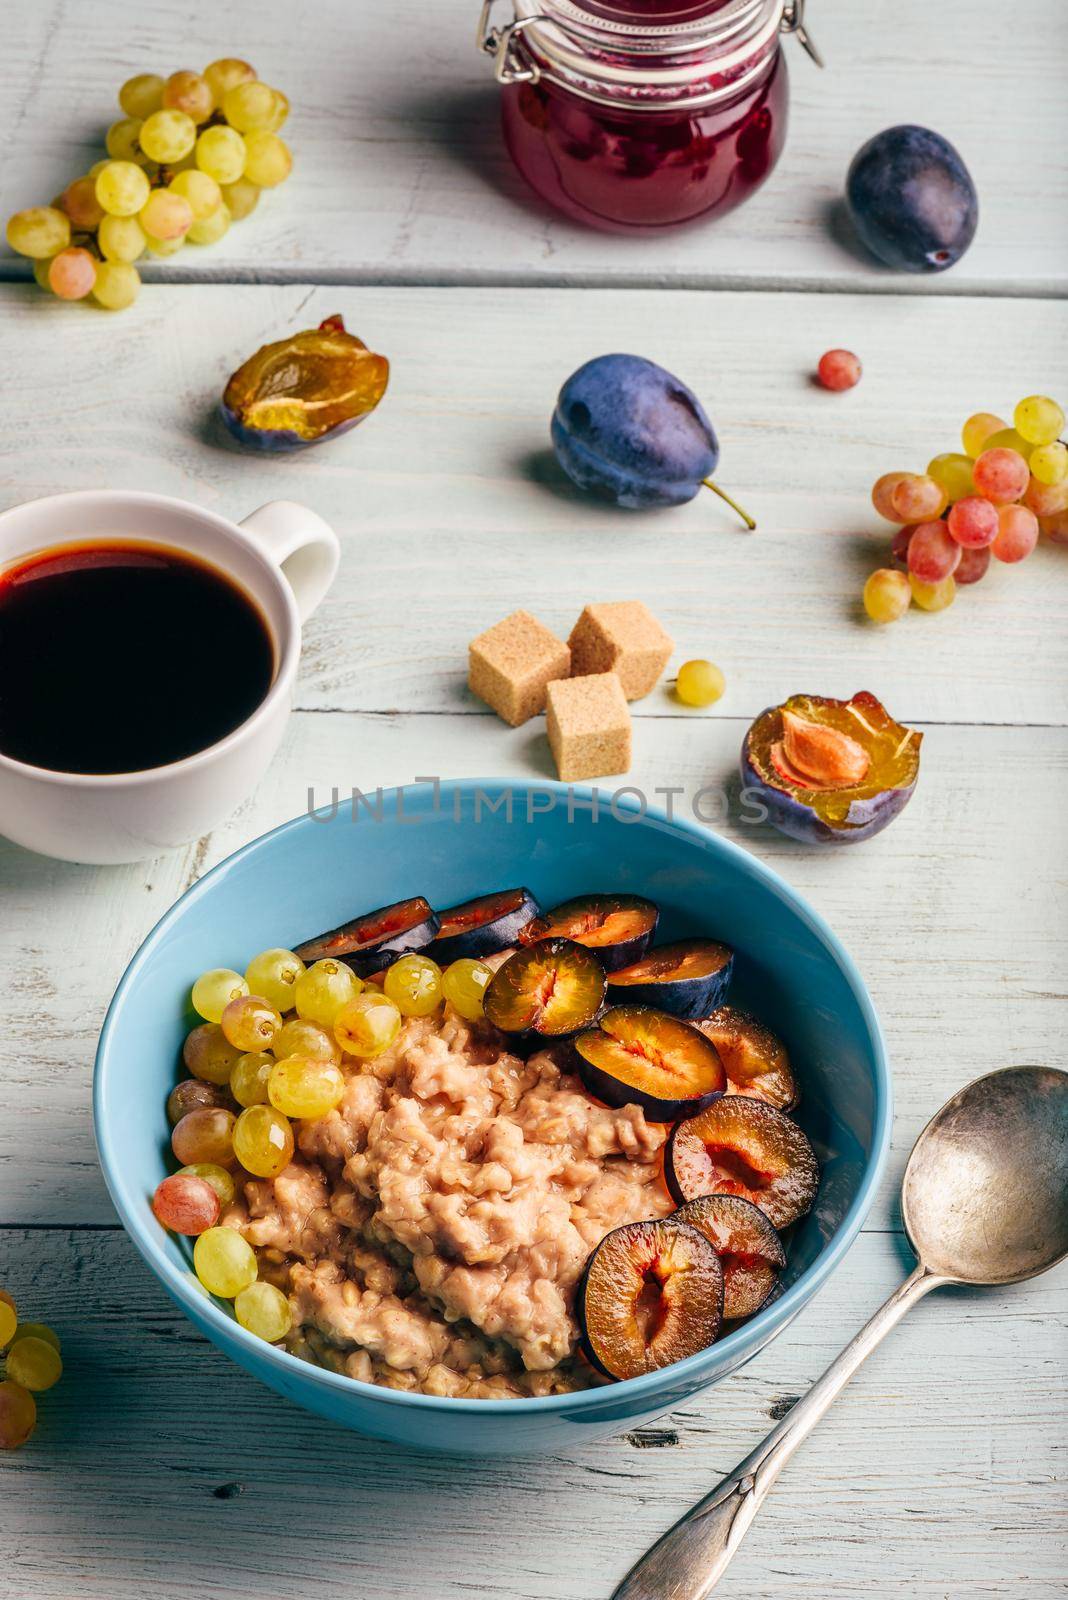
746 518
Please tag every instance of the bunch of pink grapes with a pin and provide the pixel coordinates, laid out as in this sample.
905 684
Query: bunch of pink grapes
990 502
190 154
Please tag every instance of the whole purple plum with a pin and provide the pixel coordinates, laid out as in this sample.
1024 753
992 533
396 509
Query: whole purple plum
912 199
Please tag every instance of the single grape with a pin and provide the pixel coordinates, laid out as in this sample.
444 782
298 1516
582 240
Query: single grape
212 228
80 203
225 73
300 1036
224 1262
186 1204
932 596
887 595
250 1022
414 985
274 974
18 1415
249 107
221 154
214 990
142 95
838 369
883 492
202 193
264 1311
699 683
34 1363
168 135
463 984
918 498
206 1134
117 284
1017 533
166 247
121 239
208 1053
9 1318
933 552
248 1081
300 1087
122 188
268 160
973 522
1001 475
241 198
1049 463
166 215
40 275
323 988
1009 439
38 1330
218 1178
977 431
1039 419
367 1025
189 92
899 549
40 232
973 565
954 473
1046 499
72 274
1055 526
281 110
123 140
193 1094
263 1141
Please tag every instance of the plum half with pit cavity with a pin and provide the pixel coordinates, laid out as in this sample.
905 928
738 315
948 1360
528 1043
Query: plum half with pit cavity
639 1056
304 389
755 1060
651 1294
377 939
689 978
744 1147
750 1252
619 927
483 926
548 989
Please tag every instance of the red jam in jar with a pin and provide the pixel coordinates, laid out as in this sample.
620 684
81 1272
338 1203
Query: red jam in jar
637 115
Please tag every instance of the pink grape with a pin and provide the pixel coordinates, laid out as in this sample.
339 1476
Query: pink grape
72 274
839 369
973 565
1055 527
933 554
1017 533
1001 475
899 550
185 1204
973 522
918 498
882 495
1046 499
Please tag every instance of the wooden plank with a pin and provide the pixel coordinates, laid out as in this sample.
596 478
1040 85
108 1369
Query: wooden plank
401 174
250 1496
956 916
452 511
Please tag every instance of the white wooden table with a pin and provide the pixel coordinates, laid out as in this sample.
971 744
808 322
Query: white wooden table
158 1467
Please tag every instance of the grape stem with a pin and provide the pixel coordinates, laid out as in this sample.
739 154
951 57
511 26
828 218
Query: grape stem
746 518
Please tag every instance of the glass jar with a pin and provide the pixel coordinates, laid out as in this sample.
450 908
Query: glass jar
637 115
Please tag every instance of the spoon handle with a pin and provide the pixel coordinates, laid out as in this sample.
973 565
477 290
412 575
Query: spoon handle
687 1563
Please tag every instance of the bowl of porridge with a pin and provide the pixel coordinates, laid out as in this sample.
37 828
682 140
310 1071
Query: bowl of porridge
488 1120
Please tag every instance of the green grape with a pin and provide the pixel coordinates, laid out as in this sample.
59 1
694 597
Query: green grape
72 274
168 135
18 1415
166 215
268 160
887 595
463 984
248 1080
281 110
80 203
1049 463
117 284
218 1177
323 988
264 1311
1039 419
304 1088
241 198
165 247
224 1262
699 683
225 73
274 974
34 1363
250 1022
202 192
189 92
212 228
41 269
38 1330
933 596
1009 439
208 1054
121 141
122 188
414 985
221 154
953 472
142 95
302 1037
977 431
40 232
263 1141
214 990
367 1025
250 107
9 1318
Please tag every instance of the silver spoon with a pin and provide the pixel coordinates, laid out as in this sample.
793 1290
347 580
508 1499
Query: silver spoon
984 1201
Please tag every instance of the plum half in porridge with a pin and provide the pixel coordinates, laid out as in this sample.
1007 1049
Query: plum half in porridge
476 1176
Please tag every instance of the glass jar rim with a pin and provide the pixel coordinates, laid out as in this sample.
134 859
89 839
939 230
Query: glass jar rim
736 20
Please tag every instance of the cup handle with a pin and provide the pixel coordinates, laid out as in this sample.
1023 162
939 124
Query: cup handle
304 546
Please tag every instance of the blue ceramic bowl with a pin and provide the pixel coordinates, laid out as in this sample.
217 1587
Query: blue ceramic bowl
314 873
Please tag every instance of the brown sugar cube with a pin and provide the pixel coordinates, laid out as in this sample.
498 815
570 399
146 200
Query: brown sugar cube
588 722
621 636
510 665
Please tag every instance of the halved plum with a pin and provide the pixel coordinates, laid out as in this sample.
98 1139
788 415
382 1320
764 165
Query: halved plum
639 1056
620 927
750 1251
744 1147
302 389
482 927
755 1059
548 989
375 940
651 1294
688 978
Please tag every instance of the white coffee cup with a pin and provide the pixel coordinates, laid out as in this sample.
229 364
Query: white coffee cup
284 557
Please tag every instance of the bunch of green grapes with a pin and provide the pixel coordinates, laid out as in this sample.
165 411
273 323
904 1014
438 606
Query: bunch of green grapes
189 155
30 1362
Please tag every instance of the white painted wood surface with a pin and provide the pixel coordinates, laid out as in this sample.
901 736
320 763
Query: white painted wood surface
401 174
